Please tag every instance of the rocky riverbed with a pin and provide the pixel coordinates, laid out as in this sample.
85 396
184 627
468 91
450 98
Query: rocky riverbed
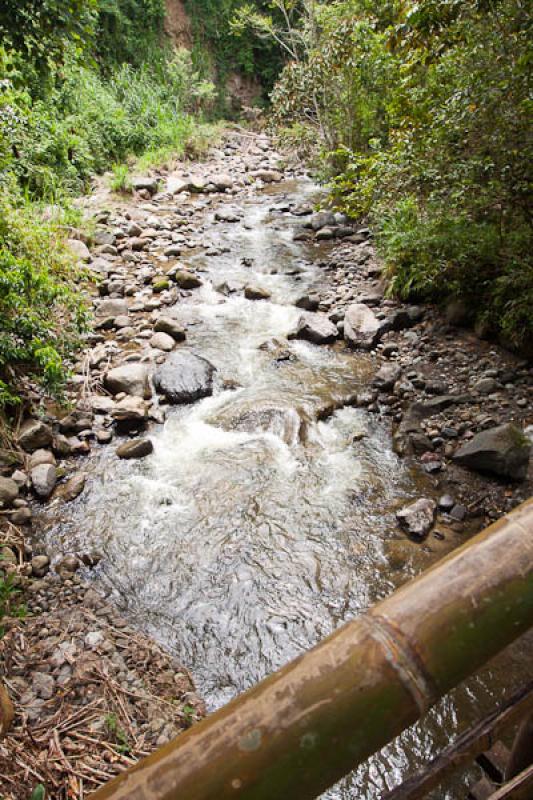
230 316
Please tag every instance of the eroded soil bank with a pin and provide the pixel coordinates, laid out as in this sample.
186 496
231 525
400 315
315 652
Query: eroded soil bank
252 423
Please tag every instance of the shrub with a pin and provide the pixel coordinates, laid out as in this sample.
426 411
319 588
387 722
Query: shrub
41 312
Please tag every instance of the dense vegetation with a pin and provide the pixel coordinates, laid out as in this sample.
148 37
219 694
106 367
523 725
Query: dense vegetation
422 111
84 85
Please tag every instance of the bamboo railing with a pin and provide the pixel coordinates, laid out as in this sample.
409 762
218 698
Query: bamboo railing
303 728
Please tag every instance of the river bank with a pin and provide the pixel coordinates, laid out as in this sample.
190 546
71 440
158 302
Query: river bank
219 284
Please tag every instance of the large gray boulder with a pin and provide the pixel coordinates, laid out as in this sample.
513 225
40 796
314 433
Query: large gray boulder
133 379
184 378
111 307
503 450
170 326
362 329
145 182
44 478
34 434
316 328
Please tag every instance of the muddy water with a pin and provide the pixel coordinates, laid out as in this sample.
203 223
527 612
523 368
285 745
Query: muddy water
255 529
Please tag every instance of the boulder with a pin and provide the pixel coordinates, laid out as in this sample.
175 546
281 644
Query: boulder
146 183
8 492
133 379
362 329
41 457
43 478
112 308
184 378
171 327
138 448
79 249
187 280
40 565
267 175
418 517
316 328
162 341
34 434
308 302
227 215
387 376
129 414
222 182
256 293
503 450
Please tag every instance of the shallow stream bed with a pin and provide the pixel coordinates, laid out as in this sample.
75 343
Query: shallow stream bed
256 528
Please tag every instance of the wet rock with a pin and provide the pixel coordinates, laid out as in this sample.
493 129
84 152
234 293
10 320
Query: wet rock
316 328
67 566
72 488
133 379
184 378
43 479
227 215
308 303
324 234
139 448
187 280
503 451
362 329
8 492
256 293
418 517
34 434
40 565
446 502
171 327
162 341
130 414
387 376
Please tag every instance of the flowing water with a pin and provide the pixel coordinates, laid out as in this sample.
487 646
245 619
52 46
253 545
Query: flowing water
255 529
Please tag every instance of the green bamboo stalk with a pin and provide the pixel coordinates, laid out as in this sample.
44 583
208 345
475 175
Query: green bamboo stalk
303 728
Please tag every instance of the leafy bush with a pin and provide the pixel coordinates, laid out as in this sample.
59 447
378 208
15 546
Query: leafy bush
41 311
423 114
89 122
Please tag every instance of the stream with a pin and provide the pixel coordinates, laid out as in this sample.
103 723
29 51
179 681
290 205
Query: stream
260 524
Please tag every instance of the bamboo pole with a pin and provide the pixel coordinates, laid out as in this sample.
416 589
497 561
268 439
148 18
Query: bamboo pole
303 728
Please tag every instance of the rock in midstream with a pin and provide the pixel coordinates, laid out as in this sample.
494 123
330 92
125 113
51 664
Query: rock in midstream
184 378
